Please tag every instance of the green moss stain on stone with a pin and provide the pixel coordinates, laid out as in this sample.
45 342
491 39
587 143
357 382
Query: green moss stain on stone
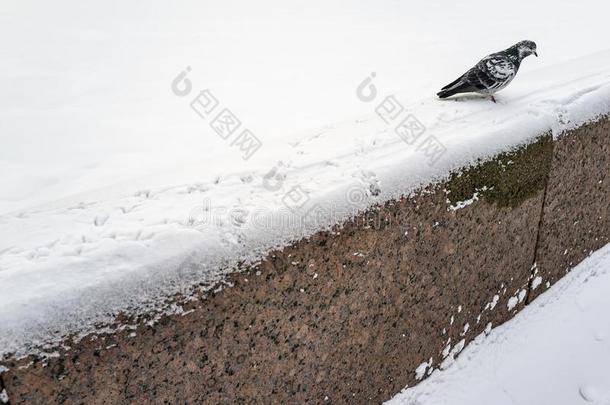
508 179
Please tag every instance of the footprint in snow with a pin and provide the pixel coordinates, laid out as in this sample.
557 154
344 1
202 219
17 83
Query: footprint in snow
198 187
246 178
590 393
143 193
127 210
100 219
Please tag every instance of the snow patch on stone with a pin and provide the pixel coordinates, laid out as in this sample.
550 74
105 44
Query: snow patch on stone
494 301
536 282
420 371
512 303
448 361
4 397
446 350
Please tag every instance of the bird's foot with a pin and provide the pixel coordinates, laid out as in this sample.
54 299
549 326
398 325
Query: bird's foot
493 99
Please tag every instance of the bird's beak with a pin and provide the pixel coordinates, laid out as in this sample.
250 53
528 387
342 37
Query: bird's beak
535 54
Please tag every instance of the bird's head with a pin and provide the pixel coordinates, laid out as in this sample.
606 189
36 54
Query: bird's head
526 48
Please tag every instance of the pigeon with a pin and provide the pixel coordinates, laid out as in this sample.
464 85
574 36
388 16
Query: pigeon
493 73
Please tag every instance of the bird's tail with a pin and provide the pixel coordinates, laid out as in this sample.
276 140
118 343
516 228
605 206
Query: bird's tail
454 88
446 93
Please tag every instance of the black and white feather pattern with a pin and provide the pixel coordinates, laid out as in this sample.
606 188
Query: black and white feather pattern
492 73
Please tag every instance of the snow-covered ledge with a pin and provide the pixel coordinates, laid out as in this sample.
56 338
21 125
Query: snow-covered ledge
358 311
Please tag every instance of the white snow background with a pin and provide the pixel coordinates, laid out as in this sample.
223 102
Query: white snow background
114 193
555 351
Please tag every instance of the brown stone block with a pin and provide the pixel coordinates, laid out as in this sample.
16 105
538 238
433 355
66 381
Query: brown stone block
347 314
576 217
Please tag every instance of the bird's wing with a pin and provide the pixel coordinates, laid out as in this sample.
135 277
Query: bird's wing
492 72
499 66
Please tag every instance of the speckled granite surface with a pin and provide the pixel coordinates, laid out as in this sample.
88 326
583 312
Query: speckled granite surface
348 315
576 217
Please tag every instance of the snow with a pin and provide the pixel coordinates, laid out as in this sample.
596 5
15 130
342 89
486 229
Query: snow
463 204
494 301
116 193
420 371
450 358
516 299
446 350
512 303
555 351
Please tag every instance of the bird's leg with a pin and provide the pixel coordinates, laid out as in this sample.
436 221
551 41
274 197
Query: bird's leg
493 99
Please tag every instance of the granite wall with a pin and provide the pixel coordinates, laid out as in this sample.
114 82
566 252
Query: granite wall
354 314
576 216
